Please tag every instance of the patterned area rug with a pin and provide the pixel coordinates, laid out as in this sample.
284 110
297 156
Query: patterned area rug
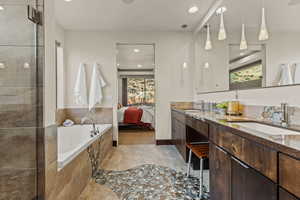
150 182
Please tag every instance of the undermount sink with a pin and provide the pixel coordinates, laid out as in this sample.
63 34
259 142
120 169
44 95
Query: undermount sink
192 111
266 129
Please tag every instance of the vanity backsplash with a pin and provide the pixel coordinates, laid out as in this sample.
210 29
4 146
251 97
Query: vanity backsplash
265 113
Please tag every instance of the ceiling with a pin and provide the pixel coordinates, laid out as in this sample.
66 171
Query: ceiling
127 58
281 15
140 15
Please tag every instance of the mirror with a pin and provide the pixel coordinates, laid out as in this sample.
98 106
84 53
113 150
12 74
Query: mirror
263 60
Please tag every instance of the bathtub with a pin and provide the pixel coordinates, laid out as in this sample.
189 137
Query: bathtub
73 140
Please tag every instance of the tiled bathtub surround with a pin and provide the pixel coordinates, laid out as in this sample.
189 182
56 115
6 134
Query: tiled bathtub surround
70 181
20 117
101 115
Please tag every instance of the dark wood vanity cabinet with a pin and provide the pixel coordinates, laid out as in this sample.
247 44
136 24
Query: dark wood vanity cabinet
198 125
241 167
231 179
248 184
179 132
220 173
289 174
257 156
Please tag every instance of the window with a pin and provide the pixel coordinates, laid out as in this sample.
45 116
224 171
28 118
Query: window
140 91
249 76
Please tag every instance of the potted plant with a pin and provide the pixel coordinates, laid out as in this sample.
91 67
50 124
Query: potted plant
222 108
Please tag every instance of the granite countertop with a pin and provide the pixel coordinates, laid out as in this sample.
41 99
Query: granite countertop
288 144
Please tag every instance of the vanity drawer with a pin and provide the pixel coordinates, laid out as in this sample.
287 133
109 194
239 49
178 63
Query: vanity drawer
179 116
228 141
289 174
261 158
255 155
198 125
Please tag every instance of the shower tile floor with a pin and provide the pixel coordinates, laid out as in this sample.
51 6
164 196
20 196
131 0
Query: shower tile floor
131 166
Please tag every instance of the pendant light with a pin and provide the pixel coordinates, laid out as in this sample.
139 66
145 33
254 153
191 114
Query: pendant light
263 34
243 44
222 32
208 45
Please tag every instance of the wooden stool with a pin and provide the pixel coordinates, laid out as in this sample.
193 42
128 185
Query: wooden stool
201 150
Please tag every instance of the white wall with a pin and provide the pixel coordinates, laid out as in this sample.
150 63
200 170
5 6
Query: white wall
53 32
172 82
49 71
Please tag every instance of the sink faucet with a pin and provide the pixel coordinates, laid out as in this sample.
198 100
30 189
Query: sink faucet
285 114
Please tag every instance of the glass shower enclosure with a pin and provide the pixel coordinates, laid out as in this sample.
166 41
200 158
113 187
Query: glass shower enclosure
21 88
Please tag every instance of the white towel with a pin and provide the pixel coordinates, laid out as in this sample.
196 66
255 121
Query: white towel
80 89
286 75
297 73
97 84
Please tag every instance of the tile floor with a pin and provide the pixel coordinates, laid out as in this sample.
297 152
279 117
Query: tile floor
129 156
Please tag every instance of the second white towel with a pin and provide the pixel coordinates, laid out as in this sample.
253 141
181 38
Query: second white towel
286 75
96 88
297 73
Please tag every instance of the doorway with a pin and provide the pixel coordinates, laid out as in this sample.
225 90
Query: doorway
136 93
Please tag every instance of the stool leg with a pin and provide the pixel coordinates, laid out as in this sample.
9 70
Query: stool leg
201 179
189 164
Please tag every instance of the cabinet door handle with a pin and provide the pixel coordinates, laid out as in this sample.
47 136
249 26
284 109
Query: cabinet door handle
220 149
239 162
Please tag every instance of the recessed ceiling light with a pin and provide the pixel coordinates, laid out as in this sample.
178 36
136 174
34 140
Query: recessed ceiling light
193 9
1 7
221 10
118 64
68 0
136 50
139 66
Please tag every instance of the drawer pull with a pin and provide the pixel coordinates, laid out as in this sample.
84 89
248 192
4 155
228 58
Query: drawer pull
239 162
220 149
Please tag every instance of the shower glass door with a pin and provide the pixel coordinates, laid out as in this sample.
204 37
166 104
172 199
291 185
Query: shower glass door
20 75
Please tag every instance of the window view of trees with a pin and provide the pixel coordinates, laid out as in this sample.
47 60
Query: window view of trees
140 91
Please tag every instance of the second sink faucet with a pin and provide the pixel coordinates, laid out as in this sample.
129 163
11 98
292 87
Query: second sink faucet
285 114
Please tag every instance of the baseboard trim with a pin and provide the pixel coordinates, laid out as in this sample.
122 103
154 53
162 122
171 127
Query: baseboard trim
164 142
115 143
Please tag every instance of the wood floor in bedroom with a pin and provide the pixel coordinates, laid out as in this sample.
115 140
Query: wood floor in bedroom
135 137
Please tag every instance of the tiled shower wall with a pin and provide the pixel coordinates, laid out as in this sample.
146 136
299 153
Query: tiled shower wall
21 77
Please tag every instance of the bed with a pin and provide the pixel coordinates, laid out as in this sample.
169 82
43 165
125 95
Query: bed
143 116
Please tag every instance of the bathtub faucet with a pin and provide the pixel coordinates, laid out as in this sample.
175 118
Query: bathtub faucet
85 119
95 130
